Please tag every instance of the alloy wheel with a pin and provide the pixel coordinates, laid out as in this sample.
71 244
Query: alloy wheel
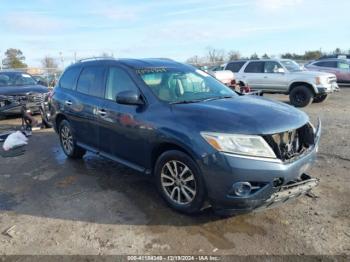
67 139
178 182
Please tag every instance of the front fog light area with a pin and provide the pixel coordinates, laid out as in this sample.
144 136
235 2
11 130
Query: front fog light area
241 189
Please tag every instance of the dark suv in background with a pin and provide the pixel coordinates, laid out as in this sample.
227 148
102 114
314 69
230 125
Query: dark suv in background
199 140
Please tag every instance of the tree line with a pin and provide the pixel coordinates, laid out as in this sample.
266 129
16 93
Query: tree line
14 58
215 56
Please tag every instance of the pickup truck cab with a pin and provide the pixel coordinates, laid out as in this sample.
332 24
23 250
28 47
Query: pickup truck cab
284 76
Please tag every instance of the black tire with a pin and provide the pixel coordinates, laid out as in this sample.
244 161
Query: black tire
68 141
321 98
196 184
301 96
44 119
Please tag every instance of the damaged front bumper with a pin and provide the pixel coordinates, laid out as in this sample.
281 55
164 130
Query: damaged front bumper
12 105
272 182
290 192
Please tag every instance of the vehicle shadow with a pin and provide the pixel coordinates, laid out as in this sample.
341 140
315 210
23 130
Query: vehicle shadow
44 183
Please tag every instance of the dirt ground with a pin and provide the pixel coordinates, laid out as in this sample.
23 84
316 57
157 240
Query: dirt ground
94 206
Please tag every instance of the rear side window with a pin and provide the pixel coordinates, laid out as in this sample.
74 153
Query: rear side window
327 64
69 78
91 81
254 67
235 66
118 81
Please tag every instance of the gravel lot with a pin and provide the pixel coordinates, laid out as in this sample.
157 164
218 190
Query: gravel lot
94 206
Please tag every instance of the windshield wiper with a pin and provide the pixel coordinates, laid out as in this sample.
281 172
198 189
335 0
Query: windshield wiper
217 98
200 100
186 101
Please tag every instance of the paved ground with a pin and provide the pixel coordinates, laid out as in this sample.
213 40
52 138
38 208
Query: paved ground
94 206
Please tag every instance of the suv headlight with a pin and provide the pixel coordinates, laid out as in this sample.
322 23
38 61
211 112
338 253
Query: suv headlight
249 145
321 80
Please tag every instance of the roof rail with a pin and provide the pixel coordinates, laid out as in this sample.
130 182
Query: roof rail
95 58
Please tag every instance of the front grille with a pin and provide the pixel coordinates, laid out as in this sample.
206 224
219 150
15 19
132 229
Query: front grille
290 144
36 98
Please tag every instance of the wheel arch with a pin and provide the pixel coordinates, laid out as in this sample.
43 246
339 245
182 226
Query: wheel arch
302 83
58 119
165 146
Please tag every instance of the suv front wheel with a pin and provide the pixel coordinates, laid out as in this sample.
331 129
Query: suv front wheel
179 182
301 96
68 141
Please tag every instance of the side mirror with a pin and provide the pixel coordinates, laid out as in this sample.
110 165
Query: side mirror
280 70
129 98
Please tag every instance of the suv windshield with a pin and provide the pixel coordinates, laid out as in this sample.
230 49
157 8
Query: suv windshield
175 85
16 79
291 65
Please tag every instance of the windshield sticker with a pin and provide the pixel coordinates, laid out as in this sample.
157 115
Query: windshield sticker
202 73
149 70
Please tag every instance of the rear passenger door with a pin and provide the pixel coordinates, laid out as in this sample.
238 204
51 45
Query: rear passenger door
88 101
253 75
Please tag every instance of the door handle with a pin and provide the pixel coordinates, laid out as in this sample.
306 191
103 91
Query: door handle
68 102
101 112
265 76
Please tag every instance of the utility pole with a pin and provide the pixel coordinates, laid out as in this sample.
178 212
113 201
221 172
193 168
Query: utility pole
62 60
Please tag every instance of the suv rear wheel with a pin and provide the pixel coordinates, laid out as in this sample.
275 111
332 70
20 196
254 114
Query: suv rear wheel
321 98
179 182
68 141
301 96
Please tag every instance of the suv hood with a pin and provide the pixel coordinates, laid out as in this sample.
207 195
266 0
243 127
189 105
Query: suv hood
241 115
22 90
313 73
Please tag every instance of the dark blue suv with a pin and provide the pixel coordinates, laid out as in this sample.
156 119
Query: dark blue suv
200 141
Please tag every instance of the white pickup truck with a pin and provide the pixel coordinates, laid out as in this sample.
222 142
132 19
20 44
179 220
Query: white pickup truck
283 76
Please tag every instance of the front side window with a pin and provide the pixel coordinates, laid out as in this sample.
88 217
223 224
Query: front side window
183 85
291 65
69 78
272 67
91 81
118 81
254 67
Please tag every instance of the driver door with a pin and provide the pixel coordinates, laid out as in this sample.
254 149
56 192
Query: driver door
122 135
274 76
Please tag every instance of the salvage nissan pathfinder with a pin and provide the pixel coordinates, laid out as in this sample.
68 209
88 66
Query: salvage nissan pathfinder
199 140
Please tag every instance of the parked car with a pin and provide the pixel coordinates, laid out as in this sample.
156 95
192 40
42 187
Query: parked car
339 67
285 76
199 140
18 89
40 80
224 76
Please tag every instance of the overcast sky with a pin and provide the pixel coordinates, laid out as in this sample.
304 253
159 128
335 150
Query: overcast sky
176 29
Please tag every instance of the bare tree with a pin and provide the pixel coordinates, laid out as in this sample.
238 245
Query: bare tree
49 62
265 56
215 55
254 56
194 60
233 55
